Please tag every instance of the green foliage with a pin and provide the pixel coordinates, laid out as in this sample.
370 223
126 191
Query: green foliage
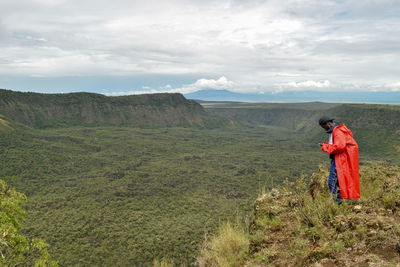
15 248
141 192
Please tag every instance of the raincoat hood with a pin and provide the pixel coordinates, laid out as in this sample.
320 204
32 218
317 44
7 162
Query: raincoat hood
343 129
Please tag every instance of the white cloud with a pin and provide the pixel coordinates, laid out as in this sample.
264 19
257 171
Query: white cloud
225 84
310 84
221 84
395 86
294 44
202 84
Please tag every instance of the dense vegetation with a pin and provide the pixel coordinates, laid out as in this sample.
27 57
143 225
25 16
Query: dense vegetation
128 195
105 195
61 110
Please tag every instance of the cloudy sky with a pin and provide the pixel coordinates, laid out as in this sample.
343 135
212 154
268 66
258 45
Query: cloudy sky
127 46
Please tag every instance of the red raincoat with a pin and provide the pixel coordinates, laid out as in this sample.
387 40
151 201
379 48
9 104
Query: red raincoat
345 149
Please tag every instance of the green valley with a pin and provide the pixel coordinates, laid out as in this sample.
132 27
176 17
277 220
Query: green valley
122 193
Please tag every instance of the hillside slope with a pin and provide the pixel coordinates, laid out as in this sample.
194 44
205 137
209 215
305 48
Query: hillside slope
55 110
300 117
375 127
291 118
4 124
300 225
10 128
304 116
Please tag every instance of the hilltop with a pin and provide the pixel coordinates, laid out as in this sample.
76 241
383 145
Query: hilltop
298 224
79 109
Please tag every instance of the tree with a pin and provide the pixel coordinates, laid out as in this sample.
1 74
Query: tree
15 248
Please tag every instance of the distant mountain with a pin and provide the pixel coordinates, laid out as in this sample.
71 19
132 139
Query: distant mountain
299 96
149 110
219 95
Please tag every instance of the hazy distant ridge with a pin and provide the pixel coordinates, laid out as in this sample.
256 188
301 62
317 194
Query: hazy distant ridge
298 96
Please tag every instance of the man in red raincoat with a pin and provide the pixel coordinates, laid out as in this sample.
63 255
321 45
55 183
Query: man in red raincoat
343 151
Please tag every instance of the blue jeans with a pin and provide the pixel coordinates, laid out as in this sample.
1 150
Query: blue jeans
333 182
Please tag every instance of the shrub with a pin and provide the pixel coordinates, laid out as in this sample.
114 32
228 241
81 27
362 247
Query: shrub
15 248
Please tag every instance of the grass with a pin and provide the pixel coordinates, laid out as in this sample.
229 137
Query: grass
227 248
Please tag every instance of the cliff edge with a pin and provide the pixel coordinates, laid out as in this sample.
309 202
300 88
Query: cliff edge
299 224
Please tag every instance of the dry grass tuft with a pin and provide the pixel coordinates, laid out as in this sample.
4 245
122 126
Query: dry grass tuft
227 248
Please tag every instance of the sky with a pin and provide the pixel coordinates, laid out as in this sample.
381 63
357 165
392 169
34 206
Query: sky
124 47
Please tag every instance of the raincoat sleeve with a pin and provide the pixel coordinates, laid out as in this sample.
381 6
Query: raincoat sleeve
338 146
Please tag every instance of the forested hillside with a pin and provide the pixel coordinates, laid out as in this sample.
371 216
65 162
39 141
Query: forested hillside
60 110
299 117
376 127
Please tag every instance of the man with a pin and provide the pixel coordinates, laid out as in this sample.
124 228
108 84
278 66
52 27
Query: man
344 178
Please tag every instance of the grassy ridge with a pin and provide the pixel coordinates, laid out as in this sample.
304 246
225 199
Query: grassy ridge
292 227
